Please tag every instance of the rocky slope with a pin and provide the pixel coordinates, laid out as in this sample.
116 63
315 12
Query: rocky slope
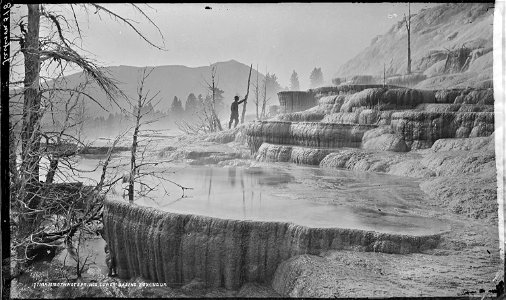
438 35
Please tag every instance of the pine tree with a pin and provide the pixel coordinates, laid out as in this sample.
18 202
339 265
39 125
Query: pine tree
272 84
270 89
177 107
218 100
316 78
192 105
294 81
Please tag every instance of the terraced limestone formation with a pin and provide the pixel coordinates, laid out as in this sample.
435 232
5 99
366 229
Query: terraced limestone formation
443 138
397 119
430 135
178 248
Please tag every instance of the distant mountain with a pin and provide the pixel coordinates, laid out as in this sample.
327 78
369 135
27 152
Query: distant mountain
170 81
434 31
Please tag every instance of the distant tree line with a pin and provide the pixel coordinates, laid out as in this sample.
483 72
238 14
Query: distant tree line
115 122
192 110
265 93
315 79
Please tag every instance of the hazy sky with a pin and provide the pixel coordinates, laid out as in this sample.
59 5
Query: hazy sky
278 37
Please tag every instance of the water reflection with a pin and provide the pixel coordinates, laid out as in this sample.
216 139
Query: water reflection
307 196
209 172
231 176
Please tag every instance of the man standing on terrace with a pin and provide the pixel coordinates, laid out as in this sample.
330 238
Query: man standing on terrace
234 116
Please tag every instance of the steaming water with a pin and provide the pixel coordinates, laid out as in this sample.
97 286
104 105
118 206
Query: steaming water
307 196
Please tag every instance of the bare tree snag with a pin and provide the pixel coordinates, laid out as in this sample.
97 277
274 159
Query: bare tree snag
42 213
216 124
257 95
246 97
408 28
30 135
264 100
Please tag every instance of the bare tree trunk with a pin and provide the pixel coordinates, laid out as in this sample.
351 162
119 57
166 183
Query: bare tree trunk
409 52
30 135
408 27
257 95
53 166
216 124
133 167
13 168
217 121
247 93
384 74
264 102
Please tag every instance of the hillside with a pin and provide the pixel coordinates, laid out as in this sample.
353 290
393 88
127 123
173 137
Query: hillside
170 81
434 32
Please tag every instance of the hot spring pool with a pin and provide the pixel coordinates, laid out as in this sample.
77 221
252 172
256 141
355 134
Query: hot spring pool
306 196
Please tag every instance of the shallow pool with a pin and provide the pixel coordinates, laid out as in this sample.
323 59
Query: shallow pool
302 195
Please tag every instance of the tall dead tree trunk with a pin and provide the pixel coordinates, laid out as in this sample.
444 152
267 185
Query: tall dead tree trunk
257 98
53 165
408 27
30 134
384 74
264 102
133 167
246 97
34 204
216 124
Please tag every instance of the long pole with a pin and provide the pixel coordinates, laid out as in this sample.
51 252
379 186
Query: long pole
247 93
384 74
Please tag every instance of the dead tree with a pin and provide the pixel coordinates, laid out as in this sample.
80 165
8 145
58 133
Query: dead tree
203 121
384 75
408 28
62 139
143 100
264 99
246 97
53 51
141 112
210 108
257 95
206 119
30 137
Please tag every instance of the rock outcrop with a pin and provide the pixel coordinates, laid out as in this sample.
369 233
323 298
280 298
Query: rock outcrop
178 249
